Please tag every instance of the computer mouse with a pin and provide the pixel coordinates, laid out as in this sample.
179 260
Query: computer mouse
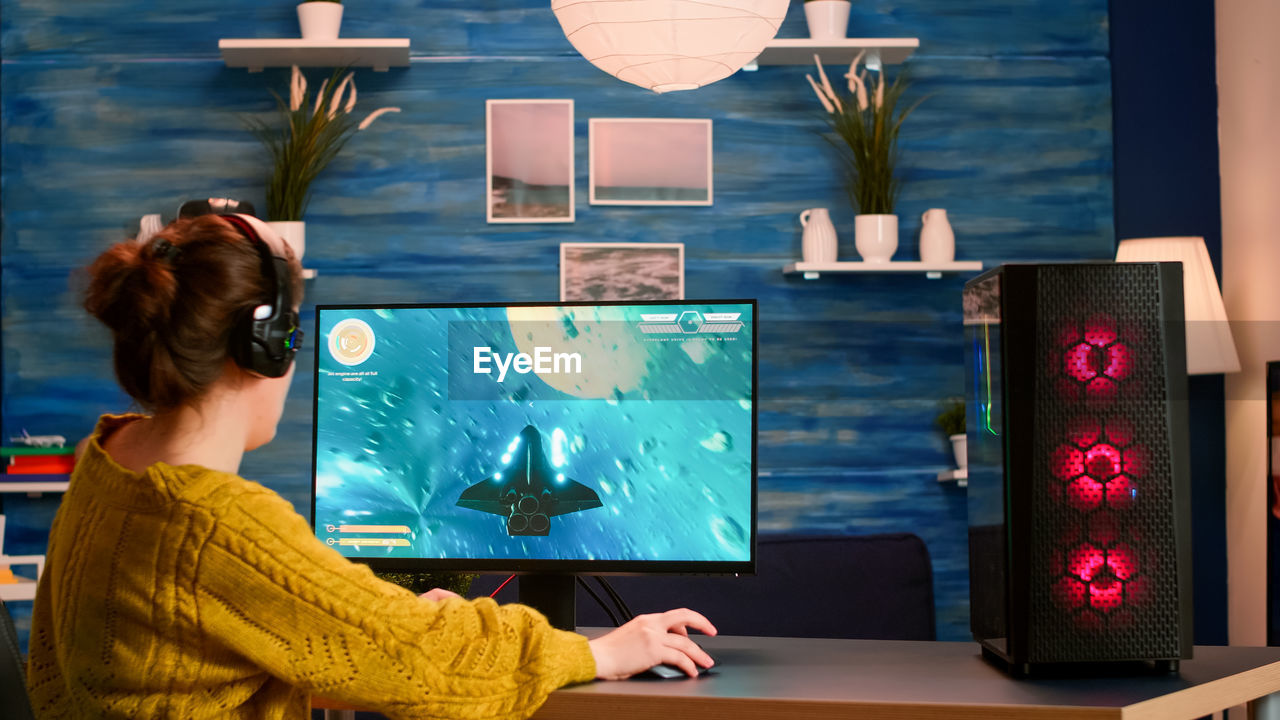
668 672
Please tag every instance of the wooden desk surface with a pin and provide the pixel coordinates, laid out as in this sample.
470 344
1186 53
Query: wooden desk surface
895 680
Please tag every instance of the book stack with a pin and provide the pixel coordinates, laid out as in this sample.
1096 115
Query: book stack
37 461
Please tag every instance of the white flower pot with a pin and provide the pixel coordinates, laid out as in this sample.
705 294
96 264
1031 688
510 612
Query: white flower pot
294 233
320 20
960 448
875 237
828 19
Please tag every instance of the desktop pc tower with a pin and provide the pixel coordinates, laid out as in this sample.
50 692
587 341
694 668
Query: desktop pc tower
1079 488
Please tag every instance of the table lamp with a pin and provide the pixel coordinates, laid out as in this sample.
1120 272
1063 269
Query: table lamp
1210 348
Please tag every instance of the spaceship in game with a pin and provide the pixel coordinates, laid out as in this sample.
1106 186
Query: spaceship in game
529 491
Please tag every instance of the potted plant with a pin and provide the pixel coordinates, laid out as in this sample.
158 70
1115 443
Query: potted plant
309 136
866 124
420 582
952 423
827 19
320 19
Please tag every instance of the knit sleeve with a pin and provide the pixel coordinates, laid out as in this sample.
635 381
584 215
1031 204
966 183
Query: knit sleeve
268 590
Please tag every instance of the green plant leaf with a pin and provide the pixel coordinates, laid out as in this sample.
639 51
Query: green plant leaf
867 141
301 144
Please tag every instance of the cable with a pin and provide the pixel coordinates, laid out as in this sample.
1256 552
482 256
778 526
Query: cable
617 599
599 601
504 584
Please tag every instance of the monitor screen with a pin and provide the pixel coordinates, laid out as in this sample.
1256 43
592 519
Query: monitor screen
584 438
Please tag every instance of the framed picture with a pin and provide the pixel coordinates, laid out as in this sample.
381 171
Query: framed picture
621 271
529 160
647 161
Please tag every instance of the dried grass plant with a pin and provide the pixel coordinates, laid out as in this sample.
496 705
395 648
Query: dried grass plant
866 124
310 136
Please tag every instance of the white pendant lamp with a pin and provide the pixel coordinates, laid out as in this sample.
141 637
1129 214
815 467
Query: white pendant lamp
666 45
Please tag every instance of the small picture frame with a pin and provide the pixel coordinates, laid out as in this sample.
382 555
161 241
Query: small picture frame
529 161
650 161
621 271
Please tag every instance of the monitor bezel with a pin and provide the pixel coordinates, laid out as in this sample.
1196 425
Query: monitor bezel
578 566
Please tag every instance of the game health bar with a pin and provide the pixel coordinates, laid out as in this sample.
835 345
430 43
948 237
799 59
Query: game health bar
369 542
397 529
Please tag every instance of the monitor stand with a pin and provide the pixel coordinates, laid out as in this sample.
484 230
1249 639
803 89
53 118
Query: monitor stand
551 595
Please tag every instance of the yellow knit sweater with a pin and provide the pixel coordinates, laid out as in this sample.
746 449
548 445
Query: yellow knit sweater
188 593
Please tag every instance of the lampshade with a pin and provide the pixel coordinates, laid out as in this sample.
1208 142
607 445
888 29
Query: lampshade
666 45
1210 348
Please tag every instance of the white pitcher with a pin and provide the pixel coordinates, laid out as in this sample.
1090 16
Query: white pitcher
818 244
937 239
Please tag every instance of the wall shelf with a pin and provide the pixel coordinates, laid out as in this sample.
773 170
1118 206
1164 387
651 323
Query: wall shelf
933 271
959 477
34 484
258 53
800 51
23 589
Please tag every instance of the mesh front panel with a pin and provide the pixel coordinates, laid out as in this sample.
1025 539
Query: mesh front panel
1103 570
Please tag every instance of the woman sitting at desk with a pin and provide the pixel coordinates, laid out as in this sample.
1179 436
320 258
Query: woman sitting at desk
175 588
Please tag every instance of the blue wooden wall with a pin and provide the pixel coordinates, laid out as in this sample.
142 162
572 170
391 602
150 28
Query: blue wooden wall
116 108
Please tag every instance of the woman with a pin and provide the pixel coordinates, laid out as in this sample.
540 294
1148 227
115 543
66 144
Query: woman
175 588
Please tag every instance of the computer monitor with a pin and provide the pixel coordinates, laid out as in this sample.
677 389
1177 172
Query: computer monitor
544 439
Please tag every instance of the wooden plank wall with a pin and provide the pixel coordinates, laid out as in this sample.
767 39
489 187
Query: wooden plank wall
117 108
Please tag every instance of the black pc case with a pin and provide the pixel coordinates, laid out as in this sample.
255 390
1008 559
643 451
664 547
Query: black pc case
1079 488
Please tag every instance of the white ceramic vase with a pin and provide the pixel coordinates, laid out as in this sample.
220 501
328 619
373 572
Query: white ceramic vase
294 233
960 448
819 243
320 20
876 237
937 239
827 19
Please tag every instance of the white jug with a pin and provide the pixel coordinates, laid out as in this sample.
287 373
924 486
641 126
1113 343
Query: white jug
818 244
937 240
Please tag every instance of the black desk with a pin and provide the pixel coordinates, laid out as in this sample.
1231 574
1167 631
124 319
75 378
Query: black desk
896 680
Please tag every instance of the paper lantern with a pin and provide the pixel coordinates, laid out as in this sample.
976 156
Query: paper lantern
666 45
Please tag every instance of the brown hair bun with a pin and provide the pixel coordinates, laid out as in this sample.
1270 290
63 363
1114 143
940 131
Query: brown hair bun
171 304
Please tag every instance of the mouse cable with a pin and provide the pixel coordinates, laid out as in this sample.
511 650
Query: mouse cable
599 601
617 599
504 584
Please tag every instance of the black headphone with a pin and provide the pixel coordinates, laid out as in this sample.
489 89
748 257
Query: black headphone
266 336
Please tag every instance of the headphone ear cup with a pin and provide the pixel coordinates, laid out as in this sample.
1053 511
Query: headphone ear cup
260 340
269 357
252 344
243 349
249 353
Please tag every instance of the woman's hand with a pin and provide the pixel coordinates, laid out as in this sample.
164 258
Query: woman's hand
650 640
438 594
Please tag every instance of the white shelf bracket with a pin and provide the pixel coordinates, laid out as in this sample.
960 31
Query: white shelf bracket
873 60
